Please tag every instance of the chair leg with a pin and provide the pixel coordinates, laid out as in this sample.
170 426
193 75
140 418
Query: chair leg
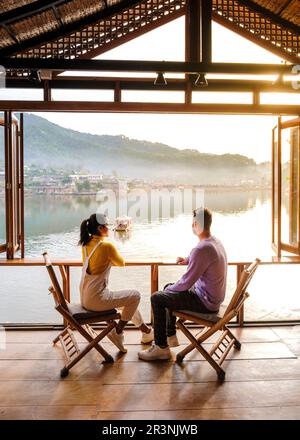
189 348
61 334
194 344
237 343
94 343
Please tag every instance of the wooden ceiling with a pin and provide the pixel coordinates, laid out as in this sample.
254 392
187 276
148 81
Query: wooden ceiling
86 28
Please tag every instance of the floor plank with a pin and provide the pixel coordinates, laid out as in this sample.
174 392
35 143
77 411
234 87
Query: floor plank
47 412
266 413
199 396
262 381
293 345
144 372
246 334
259 350
287 332
133 397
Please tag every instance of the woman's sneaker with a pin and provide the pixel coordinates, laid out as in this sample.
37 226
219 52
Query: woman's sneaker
147 338
117 339
173 341
155 353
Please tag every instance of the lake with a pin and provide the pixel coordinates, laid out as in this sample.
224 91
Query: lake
242 220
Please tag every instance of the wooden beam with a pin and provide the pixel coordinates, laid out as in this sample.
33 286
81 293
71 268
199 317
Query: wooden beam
143 107
108 83
144 66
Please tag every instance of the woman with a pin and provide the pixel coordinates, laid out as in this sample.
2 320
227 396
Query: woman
98 257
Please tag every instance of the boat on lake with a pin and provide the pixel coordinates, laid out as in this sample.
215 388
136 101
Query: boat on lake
123 224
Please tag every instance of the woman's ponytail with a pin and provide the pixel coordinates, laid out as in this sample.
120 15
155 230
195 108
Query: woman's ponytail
84 233
88 228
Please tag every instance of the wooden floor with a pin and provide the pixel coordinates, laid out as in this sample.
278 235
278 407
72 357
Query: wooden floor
262 381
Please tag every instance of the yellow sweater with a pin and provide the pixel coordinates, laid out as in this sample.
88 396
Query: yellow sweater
106 253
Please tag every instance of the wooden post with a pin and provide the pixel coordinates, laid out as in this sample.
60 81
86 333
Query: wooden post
154 278
65 275
256 98
192 31
240 317
206 24
154 283
47 91
9 186
67 287
117 92
279 187
21 185
192 41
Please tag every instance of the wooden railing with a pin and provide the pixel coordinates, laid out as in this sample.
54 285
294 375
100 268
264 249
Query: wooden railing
65 265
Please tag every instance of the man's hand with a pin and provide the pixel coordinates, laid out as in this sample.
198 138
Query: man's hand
181 260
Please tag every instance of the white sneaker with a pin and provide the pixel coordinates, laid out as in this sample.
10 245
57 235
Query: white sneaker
117 339
173 341
147 338
155 353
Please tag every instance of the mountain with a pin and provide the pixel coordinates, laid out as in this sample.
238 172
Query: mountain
50 145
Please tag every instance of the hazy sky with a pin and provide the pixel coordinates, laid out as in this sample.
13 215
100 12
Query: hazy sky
249 135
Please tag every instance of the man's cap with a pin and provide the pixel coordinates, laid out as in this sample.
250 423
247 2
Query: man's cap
199 215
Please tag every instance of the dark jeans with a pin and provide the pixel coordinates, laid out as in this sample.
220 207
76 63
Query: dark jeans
163 303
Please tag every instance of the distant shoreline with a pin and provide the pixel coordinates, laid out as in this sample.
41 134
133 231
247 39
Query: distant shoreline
206 188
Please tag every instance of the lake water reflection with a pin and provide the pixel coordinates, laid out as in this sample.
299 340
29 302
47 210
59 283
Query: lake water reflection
242 220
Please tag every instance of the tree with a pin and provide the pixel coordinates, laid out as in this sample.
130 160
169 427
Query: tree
66 180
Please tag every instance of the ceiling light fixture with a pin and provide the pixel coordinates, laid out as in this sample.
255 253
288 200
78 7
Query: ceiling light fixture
160 80
201 80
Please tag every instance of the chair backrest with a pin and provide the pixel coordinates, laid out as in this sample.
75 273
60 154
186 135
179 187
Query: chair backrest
243 283
55 289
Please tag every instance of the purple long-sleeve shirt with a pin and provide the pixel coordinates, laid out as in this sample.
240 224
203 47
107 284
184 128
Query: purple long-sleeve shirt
206 273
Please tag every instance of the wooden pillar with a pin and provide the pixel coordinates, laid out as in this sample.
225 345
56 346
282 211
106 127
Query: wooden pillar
279 183
117 92
47 91
9 185
192 42
21 185
154 283
206 23
192 31
239 271
198 39
65 276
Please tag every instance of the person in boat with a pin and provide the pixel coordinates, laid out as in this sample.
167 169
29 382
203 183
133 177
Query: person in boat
201 289
98 258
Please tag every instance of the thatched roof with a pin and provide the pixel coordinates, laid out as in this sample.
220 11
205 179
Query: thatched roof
83 28
286 9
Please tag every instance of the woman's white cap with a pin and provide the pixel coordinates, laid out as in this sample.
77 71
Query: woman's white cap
102 219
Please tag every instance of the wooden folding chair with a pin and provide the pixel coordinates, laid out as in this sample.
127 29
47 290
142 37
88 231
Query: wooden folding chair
79 319
215 322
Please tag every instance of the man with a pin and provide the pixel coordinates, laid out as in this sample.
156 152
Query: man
201 289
